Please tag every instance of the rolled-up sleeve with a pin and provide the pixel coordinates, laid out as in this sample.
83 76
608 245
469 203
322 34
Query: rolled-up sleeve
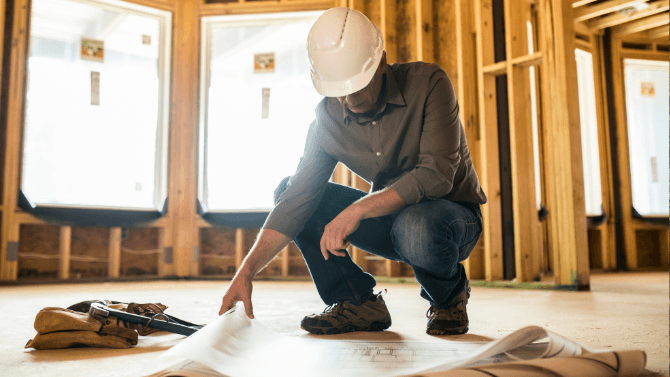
304 190
439 157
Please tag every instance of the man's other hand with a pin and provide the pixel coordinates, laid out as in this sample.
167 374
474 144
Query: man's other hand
239 290
334 239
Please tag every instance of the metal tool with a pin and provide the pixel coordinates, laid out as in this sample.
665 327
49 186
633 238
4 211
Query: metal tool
100 312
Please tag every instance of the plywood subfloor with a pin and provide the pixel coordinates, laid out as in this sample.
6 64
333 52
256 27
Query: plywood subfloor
622 311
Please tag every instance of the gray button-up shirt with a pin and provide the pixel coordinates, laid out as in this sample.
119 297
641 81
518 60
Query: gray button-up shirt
415 143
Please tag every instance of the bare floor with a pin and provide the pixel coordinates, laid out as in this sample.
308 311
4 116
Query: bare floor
622 311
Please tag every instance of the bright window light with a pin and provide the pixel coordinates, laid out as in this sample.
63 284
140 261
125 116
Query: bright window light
535 119
589 131
95 132
646 84
257 104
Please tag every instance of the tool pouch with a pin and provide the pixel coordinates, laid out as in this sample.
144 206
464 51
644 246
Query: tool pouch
63 328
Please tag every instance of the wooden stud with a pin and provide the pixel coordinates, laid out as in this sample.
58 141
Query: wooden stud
391 32
114 255
16 95
642 24
165 266
489 175
521 142
183 134
618 19
600 9
659 32
239 248
65 243
564 178
285 262
608 245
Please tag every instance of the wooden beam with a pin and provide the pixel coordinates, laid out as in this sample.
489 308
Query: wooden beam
517 13
218 9
285 262
608 244
65 244
618 19
642 24
114 254
239 248
659 32
496 69
14 130
489 176
564 177
183 146
600 9
528 60
579 3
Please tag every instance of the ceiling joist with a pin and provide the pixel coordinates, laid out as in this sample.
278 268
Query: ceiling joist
659 32
593 11
618 19
579 3
642 24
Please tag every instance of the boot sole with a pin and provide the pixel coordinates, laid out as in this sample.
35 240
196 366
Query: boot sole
457 331
374 326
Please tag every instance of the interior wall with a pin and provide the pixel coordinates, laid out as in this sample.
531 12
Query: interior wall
452 33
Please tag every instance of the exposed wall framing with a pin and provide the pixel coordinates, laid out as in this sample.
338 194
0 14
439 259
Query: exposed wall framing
458 35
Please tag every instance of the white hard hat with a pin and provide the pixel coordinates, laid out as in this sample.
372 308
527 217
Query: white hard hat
345 49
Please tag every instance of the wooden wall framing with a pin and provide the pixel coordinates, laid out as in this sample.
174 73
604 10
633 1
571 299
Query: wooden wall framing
458 35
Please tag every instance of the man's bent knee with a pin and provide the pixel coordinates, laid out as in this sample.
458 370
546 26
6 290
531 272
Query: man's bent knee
280 189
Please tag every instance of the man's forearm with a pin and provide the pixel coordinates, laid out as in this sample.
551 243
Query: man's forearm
267 246
380 203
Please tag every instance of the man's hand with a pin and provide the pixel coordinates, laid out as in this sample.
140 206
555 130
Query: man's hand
239 290
335 235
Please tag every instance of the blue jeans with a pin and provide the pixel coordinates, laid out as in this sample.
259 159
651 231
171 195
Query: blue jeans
431 236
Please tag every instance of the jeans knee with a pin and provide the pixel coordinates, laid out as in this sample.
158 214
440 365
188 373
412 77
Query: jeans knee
413 238
280 189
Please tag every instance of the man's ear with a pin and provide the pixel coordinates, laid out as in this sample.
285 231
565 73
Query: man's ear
382 63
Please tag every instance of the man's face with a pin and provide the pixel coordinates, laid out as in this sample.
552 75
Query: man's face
365 99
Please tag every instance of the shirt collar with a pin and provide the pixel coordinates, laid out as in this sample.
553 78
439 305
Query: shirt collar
391 95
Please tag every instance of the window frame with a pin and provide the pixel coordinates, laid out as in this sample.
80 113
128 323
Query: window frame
164 19
206 25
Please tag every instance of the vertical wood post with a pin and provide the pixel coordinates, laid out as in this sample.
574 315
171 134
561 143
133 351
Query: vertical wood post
285 262
489 173
65 243
239 248
183 134
15 98
562 146
521 141
114 255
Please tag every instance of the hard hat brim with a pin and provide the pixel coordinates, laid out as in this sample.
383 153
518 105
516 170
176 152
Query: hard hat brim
349 86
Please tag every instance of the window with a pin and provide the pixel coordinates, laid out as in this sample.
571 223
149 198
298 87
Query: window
257 102
96 105
589 131
646 88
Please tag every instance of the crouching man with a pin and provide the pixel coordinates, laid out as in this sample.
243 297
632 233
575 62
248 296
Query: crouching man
396 126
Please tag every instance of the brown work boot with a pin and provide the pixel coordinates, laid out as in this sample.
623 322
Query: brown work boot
450 321
346 317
